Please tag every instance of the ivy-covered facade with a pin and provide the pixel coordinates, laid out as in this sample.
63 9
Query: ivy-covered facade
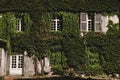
64 37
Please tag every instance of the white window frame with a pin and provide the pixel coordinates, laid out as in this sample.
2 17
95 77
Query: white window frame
55 25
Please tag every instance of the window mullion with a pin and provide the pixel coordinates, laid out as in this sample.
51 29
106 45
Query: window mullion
20 25
16 61
87 22
56 24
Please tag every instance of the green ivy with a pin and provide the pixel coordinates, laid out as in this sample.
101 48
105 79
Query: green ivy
92 64
7 27
107 47
38 39
74 49
62 5
27 22
70 22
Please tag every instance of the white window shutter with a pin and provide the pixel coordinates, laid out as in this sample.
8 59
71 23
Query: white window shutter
98 25
83 22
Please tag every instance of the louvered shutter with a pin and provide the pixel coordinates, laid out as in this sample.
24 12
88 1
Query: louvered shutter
98 27
83 22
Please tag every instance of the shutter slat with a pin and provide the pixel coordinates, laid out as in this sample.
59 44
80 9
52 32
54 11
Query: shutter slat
83 22
98 27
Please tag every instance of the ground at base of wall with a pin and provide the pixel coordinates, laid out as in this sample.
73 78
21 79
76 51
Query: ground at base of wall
17 77
53 78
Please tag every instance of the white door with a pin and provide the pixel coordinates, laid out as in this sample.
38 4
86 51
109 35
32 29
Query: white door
16 64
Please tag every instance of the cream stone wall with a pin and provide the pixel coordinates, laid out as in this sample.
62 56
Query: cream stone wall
105 21
3 61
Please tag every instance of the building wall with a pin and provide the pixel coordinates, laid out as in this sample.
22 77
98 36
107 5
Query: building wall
29 66
105 21
3 62
114 18
29 69
104 24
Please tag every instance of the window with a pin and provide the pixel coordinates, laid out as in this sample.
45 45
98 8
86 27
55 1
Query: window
90 22
56 24
18 24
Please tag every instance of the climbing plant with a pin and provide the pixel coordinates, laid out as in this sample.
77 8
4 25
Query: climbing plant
7 27
92 64
107 48
64 5
73 48
37 38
